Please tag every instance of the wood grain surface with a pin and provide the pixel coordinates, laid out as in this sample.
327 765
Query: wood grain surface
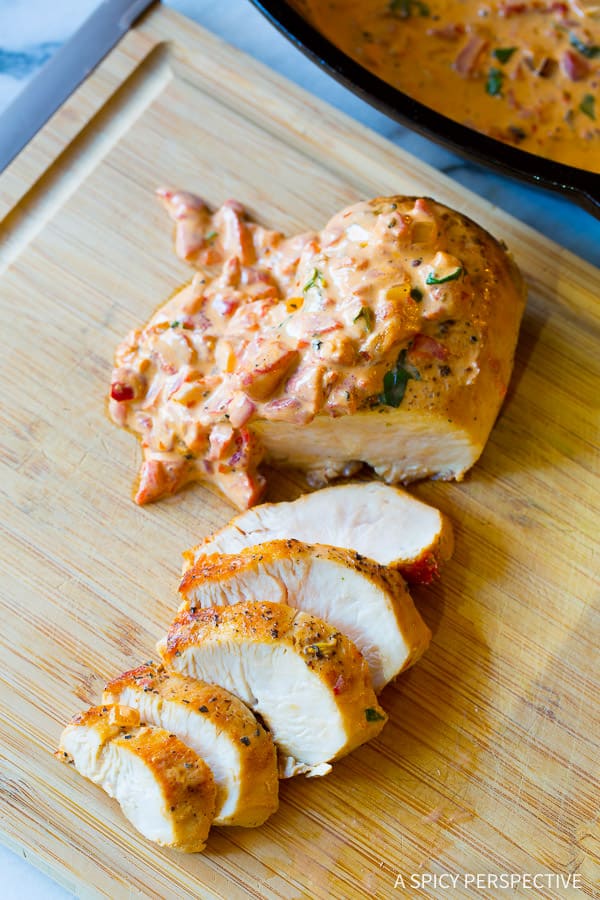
489 761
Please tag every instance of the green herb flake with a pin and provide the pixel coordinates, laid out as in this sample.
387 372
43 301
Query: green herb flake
315 280
405 9
590 51
366 314
493 85
211 235
588 106
395 381
175 324
433 279
503 54
416 294
372 715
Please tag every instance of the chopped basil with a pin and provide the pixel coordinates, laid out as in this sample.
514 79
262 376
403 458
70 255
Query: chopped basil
366 314
503 54
588 106
404 9
590 51
211 235
416 294
371 715
175 324
315 280
395 381
494 81
433 279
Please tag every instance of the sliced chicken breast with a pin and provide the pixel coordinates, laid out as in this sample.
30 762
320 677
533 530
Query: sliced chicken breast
218 727
367 602
379 521
307 681
165 789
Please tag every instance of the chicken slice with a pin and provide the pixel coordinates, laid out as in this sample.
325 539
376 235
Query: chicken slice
381 522
367 602
165 789
218 727
307 681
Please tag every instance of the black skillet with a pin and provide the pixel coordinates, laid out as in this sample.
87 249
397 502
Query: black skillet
579 185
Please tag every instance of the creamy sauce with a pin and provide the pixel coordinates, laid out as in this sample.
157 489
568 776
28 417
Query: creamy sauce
526 73
288 329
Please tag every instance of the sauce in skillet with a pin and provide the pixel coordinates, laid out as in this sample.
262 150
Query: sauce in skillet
526 73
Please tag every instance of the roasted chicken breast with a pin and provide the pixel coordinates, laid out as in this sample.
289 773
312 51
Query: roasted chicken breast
381 522
367 602
386 339
307 681
218 727
165 789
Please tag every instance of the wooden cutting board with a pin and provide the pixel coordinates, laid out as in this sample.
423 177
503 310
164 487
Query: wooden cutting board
488 763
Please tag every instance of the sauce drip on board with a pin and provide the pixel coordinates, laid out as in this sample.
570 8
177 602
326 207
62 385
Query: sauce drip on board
525 73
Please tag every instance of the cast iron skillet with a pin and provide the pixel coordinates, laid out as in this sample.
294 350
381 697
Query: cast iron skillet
579 185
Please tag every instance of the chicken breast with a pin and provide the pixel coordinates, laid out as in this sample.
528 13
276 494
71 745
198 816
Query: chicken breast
165 790
307 681
367 602
383 523
218 727
387 338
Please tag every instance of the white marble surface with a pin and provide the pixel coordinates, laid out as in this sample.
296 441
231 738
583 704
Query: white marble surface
30 30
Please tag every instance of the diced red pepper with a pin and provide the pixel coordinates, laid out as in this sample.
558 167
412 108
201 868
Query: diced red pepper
425 346
121 392
339 685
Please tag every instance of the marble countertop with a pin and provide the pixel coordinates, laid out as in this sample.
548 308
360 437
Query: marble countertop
31 30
